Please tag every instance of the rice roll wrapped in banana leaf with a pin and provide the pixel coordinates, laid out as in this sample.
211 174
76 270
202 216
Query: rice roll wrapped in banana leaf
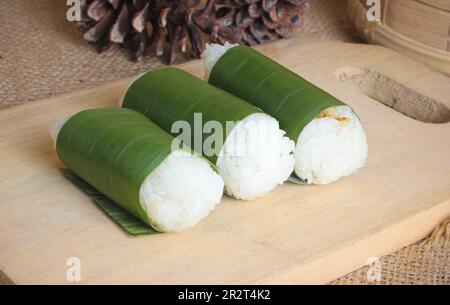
330 140
253 155
129 159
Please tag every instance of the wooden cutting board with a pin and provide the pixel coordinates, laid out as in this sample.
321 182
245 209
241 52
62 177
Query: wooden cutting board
297 234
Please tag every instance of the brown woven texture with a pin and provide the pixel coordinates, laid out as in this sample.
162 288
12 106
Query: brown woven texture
426 262
42 54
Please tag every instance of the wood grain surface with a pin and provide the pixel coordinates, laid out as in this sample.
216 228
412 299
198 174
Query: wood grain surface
419 29
297 234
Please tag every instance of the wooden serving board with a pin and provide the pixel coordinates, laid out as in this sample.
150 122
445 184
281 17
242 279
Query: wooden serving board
297 234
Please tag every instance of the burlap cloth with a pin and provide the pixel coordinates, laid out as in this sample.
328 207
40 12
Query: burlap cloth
41 54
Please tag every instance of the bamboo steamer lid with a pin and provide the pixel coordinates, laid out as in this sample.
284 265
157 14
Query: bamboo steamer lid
419 29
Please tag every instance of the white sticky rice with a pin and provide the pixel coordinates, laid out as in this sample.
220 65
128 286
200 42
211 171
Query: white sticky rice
180 192
54 130
255 158
213 52
330 147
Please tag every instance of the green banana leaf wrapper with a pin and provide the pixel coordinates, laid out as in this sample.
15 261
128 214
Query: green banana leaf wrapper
168 95
114 150
283 94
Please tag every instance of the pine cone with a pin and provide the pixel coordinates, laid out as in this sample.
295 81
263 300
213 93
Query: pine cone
170 26
262 20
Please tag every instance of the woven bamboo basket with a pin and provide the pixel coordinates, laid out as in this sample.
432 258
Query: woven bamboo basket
419 29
